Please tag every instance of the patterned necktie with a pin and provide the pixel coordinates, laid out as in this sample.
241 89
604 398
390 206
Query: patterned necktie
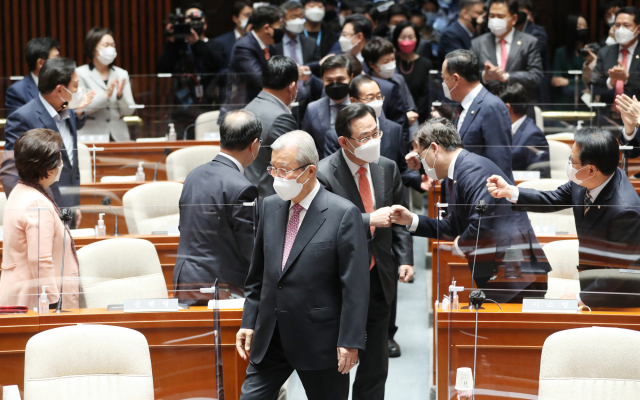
292 51
292 231
367 200
266 53
504 55
619 83
587 201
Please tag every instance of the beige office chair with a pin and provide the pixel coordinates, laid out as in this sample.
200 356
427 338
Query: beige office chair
562 220
80 362
84 163
593 363
119 269
559 153
207 123
561 136
183 161
563 278
539 118
152 207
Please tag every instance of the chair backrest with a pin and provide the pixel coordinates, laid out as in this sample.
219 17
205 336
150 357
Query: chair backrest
3 204
539 118
119 269
590 363
561 136
563 256
559 153
207 122
562 220
183 161
84 163
152 207
81 362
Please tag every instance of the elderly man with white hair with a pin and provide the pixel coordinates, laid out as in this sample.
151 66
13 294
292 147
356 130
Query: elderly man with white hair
307 291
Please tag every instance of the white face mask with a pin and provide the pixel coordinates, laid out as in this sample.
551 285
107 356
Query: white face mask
295 26
76 98
345 44
610 41
59 172
611 20
341 19
377 106
624 35
369 152
445 88
431 172
288 189
314 14
387 70
243 23
498 26
107 55
391 29
571 173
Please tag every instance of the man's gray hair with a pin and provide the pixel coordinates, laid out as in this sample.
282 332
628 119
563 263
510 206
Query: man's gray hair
439 131
306 152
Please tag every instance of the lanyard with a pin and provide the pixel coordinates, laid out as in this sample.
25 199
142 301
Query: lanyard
319 36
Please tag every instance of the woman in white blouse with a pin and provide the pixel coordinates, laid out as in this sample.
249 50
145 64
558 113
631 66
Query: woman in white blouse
113 98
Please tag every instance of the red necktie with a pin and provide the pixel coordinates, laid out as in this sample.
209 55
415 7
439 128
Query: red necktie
292 231
619 83
504 55
266 53
367 200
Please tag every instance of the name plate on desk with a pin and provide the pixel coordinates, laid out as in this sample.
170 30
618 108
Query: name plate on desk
526 175
551 306
544 230
151 305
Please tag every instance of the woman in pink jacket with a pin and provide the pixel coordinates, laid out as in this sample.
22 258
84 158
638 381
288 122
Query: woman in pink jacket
33 240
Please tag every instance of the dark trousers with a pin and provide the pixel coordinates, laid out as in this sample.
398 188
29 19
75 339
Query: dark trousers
373 368
393 328
264 380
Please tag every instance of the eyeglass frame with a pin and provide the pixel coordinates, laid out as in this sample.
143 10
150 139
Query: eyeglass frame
363 141
369 101
272 168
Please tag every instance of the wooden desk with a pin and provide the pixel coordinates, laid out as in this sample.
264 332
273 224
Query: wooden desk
509 345
180 343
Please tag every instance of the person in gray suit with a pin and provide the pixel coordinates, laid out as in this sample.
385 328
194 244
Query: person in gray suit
279 89
507 54
307 291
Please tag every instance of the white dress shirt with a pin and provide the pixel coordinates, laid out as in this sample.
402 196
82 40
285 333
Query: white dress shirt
236 162
305 203
631 50
262 45
592 192
63 126
356 176
237 34
508 39
516 125
286 46
466 103
333 109
35 78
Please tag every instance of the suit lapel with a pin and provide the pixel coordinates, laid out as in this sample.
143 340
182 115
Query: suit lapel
491 49
325 114
516 46
32 91
578 199
344 177
472 112
95 75
595 211
45 118
635 59
377 176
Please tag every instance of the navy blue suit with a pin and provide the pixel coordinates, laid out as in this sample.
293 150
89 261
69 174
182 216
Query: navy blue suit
394 107
530 135
454 37
20 93
31 116
227 41
245 73
317 121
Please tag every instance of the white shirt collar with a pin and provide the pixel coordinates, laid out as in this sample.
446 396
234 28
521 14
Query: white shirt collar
35 78
452 166
360 58
262 45
280 101
508 38
631 48
306 202
353 167
465 28
471 96
52 111
236 162
237 34
516 125
345 103
596 191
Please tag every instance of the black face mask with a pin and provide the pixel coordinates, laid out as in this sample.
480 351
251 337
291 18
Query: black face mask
278 34
522 17
337 90
474 23
330 15
583 35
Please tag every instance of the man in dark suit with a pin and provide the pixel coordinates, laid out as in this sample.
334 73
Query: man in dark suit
526 24
507 54
605 205
483 238
271 105
373 183
356 31
307 291
530 149
217 215
617 70
314 28
242 9
58 86
459 33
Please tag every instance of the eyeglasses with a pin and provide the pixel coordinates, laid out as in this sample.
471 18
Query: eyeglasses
376 135
372 98
281 172
570 161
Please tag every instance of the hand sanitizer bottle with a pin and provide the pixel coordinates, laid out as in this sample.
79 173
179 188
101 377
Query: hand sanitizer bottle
43 305
140 173
172 133
101 231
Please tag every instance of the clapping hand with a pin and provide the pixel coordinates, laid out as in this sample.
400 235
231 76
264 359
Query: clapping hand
86 100
629 111
618 73
120 87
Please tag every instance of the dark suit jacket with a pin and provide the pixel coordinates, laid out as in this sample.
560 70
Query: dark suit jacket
216 228
20 93
500 227
30 116
394 106
522 158
310 52
486 130
320 300
317 121
245 68
328 39
227 41
454 37
524 64
391 246
276 121
607 59
392 147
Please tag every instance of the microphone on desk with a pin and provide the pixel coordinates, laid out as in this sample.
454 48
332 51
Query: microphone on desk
66 215
155 171
106 201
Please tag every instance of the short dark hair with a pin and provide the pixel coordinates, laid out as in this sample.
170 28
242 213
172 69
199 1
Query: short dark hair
279 73
397 9
376 48
604 6
467 4
37 152
356 65
598 147
347 5
517 96
238 134
334 62
304 2
94 36
39 48
512 5
439 131
360 23
195 5
526 4
398 31
418 14
239 5
349 113
265 15
631 11
290 5
354 85
366 8
463 63
54 72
